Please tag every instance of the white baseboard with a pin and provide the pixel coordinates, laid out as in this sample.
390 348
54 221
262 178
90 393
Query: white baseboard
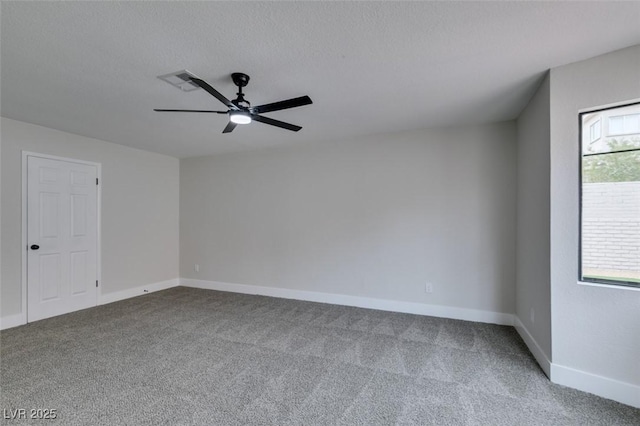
360 302
137 291
11 321
605 387
533 346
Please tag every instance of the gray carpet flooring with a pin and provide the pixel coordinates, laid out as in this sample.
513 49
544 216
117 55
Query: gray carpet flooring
190 356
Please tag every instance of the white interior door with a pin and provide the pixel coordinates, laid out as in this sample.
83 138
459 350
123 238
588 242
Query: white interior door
62 236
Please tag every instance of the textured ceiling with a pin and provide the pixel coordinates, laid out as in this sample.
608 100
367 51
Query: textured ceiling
370 67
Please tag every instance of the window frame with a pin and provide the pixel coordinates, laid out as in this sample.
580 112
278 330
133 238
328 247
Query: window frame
581 279
591 127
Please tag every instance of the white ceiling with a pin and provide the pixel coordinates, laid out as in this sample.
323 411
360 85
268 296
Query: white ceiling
370 67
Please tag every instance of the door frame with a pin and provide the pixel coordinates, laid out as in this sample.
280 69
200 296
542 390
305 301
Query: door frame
25 156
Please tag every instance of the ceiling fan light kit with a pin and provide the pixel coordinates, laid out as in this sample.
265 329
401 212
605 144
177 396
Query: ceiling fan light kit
239 117
239 110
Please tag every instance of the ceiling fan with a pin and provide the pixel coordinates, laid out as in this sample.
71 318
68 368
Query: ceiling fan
240 110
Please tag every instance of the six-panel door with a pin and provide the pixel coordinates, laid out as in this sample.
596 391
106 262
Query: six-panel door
62 231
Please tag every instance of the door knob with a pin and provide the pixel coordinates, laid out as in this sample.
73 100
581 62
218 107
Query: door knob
35 247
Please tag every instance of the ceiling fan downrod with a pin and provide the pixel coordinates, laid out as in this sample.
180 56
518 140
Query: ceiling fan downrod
241 80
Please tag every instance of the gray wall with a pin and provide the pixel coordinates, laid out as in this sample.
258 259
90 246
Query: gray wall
595 329
533 288
377 217
140 206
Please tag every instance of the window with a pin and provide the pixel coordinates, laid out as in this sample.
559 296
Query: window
610 197
624 124
595 131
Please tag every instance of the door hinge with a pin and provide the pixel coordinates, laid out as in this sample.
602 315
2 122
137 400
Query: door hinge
96 283
96 181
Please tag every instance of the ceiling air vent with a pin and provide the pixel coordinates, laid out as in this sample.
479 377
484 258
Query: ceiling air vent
181 80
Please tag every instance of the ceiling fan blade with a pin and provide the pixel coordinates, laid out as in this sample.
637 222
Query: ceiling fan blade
277 106
230 126
219 96
282 124
189 110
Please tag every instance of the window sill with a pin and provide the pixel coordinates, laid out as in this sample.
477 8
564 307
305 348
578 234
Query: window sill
612 286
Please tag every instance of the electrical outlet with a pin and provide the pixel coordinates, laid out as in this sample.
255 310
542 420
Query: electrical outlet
428 288
196 267
532 315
